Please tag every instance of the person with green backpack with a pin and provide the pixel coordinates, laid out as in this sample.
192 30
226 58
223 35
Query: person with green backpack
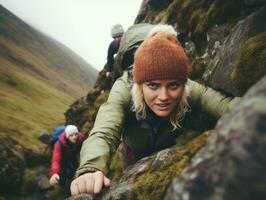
145 108
117 32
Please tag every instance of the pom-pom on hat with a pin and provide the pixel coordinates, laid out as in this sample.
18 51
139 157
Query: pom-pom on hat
160 56
70 130
117 30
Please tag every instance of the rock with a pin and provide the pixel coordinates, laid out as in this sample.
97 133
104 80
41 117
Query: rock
253 54
232 164
149 177
144 8
44 189
75 112
37 156
43 183
254 2
12 165
159 4
190 48
219 70
44 136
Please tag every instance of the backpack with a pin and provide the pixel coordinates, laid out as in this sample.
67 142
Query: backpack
55 135
131 40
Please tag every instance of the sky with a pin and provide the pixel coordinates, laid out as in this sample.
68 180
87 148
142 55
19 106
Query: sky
82 25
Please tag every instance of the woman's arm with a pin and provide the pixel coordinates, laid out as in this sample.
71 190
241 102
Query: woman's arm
104 138
56 159
210 100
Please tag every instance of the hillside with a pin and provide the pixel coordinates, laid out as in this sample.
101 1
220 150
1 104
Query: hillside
39 78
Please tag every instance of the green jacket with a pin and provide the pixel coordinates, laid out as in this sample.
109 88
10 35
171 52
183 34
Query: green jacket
115 117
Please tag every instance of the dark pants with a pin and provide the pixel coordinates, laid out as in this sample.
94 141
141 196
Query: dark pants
68 169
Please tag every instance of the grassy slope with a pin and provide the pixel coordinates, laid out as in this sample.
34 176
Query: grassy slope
28 105
39 79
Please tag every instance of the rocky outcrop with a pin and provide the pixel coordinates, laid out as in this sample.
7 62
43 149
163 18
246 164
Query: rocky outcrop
232 164
17 165
150 176
12 165
254 2
83 111
229 51
217 45
232 59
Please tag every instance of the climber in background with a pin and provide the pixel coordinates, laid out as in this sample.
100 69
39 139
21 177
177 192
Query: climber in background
117 32
65 154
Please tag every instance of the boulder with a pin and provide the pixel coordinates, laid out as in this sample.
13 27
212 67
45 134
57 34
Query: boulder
12 165
44 136
219 70
150 176
254 2
232 164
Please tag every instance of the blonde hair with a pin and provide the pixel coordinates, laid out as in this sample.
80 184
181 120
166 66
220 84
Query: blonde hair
176 115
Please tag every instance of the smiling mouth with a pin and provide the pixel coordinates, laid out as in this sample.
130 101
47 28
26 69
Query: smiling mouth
163 106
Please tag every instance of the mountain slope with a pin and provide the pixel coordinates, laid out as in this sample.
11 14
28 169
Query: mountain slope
39 78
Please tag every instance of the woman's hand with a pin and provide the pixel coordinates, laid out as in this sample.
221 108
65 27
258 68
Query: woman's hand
91 183
54 179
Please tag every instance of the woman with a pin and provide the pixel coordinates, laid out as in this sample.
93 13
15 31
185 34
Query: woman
149 118
64 161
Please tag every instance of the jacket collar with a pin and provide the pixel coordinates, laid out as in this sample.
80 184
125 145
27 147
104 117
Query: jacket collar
151 121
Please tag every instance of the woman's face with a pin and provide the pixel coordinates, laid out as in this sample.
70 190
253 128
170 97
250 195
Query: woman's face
73 138
162 96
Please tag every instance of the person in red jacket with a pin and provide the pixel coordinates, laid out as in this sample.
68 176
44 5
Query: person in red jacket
65 153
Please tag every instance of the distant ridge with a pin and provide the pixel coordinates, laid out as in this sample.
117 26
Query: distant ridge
47 55
39 79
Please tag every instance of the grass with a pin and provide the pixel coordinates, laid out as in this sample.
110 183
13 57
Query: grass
39 79
28 105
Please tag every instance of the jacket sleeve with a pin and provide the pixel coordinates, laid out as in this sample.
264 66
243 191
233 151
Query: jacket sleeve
56 159
104 138
210 100
82 137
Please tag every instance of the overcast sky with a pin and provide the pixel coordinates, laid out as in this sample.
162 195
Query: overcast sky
82 25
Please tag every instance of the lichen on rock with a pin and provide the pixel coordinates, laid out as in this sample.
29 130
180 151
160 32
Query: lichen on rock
251 65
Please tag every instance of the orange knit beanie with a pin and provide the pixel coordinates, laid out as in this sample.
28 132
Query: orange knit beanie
160 56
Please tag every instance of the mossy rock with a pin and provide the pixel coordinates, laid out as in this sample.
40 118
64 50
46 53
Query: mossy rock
222 11
90 115
153 183
251 65
29 184
196 17
12 165
115 171
159 4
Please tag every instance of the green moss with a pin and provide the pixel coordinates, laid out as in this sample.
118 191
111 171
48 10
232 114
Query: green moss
115 171
251 65
185 4
222 11
173 8
89 118
153 184
161 17
196 19
29 185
